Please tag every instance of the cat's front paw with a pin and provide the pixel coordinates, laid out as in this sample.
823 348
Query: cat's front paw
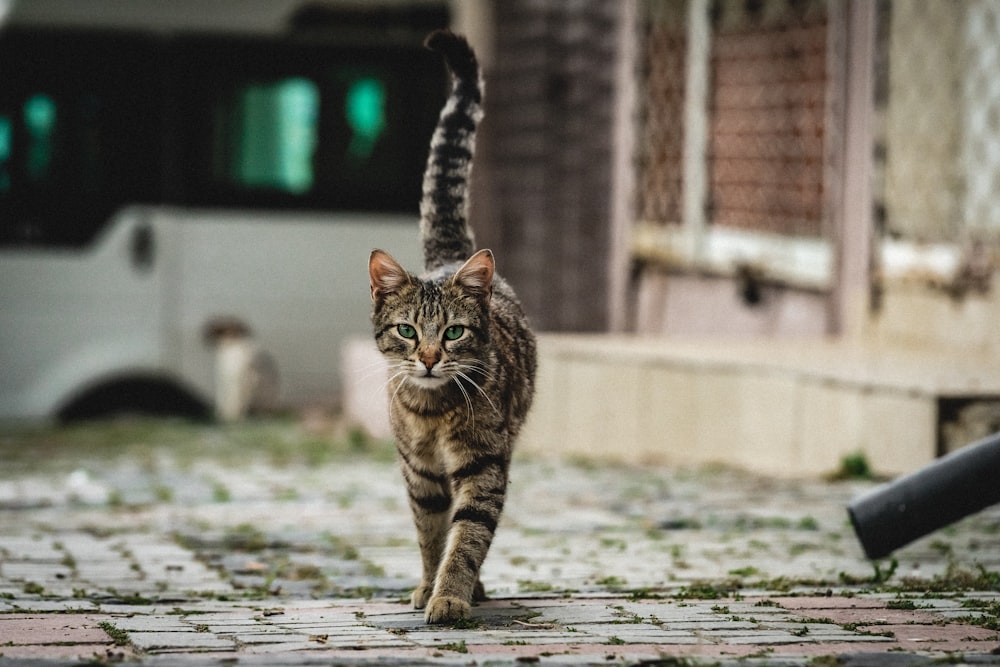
445 609
421 594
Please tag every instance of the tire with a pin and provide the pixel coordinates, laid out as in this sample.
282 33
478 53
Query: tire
147 396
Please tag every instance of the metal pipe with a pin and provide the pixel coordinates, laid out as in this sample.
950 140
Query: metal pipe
955 486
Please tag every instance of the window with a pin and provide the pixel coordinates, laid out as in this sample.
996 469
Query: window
307 127
79 133
735 145
91 122
267 138
39 123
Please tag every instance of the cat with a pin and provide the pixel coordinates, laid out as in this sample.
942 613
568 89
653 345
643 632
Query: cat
462 361
246 376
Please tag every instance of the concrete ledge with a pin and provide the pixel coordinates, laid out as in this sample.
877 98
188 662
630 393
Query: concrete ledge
777 407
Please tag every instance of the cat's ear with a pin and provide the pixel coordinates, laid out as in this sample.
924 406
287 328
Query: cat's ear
476 275
386 275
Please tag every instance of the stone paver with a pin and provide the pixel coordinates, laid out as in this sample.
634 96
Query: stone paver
163 557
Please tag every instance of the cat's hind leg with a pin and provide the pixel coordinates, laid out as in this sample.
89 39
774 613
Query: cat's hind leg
479 593
432 531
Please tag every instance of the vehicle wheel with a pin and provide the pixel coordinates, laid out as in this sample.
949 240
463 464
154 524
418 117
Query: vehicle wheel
134 396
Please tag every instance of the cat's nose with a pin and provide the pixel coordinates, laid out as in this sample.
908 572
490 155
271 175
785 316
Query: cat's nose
429 356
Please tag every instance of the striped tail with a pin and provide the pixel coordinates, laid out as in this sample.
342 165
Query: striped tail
443 228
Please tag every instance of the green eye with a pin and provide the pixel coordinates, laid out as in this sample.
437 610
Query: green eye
454 332
406 331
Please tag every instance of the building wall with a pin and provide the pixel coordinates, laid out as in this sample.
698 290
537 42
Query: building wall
543 173
939 249
724 220
922 130
696 306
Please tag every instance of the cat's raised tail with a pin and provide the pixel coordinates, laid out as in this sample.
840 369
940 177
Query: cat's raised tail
444 230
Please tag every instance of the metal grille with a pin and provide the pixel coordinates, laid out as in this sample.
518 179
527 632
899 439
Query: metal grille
940 120
767 112
765 115
662 145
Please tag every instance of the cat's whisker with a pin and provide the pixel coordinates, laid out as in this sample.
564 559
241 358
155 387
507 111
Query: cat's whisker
385 368
384 371
468 402
389 368
363 376
478 367
373 364
480 390
392 372
482 365
385 385
392 399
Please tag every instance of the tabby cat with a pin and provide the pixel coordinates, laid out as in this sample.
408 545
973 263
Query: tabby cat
461 358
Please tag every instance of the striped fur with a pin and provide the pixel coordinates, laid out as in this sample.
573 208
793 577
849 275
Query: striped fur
443 208
462 364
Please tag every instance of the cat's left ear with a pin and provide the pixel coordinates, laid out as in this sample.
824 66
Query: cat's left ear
387 276
476 275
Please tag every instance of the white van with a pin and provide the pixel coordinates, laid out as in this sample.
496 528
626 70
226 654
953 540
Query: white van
167 164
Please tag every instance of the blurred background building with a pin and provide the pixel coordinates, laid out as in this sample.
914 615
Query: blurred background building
798 198
747 167
794 198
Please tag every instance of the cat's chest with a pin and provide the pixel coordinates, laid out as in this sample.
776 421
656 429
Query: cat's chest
421 430
427 409
438 437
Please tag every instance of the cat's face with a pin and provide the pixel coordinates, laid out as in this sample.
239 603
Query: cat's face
432 332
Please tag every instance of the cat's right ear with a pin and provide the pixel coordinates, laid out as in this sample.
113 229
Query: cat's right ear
386 275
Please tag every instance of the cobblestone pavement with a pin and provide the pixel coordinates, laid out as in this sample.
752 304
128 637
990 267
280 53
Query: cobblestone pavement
291 544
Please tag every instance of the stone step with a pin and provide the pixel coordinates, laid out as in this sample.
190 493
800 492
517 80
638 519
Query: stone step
776 407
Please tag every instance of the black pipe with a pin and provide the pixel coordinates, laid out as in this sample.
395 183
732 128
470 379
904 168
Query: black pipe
957 485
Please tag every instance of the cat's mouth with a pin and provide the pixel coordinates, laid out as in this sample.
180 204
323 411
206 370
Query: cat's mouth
428 380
